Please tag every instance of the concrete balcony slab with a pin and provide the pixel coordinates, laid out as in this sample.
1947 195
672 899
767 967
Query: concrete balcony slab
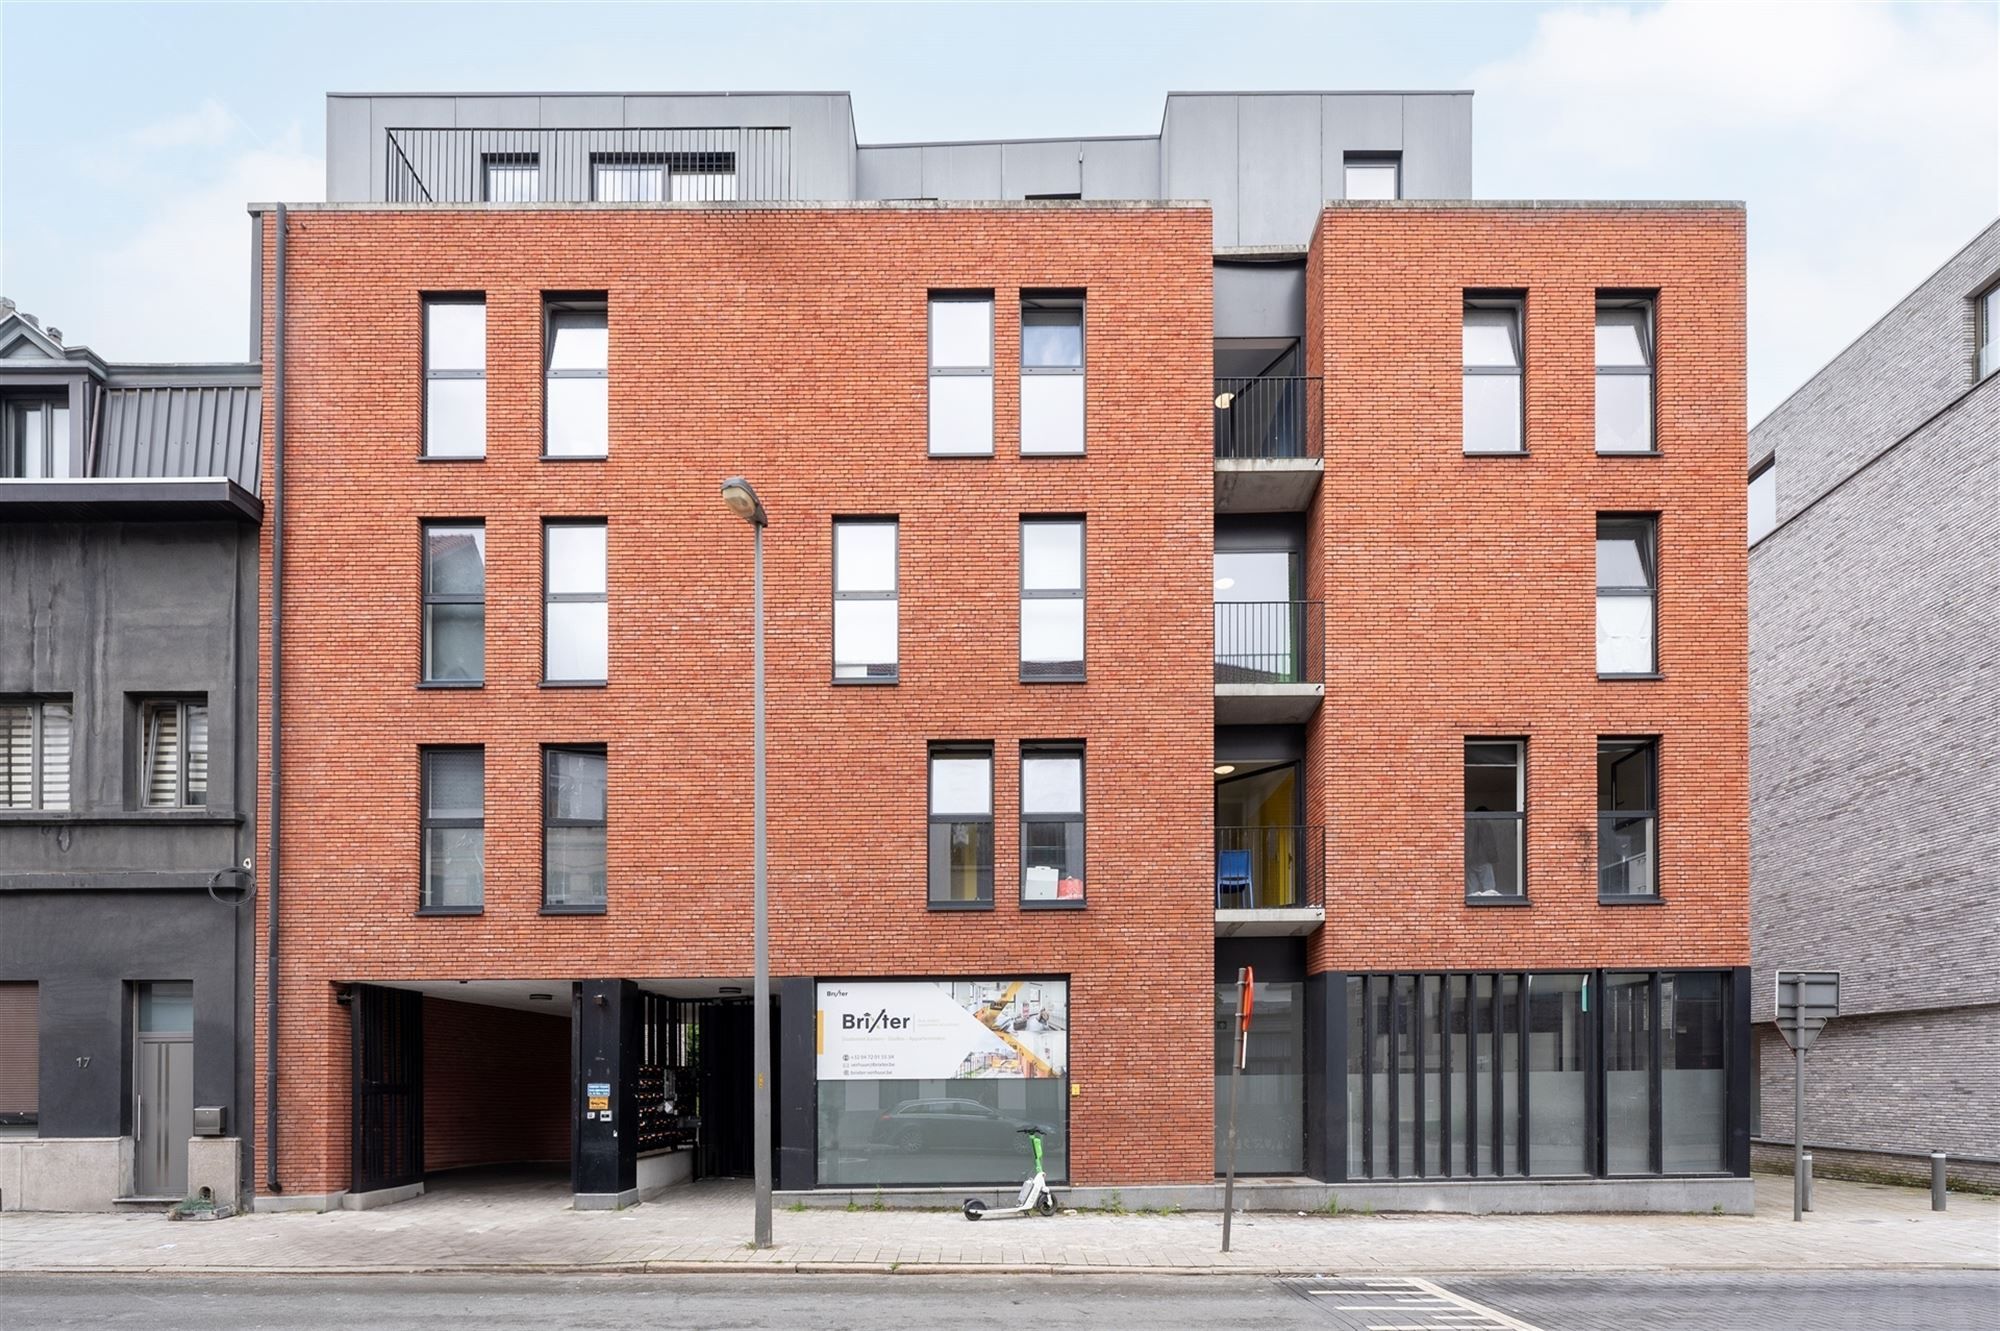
1266 485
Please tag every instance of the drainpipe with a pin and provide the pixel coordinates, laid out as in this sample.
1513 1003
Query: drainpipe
277 685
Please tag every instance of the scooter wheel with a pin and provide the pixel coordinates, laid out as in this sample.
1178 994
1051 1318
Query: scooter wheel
974 1208
1047 1205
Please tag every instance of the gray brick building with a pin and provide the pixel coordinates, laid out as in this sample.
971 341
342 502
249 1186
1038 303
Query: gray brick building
1875 666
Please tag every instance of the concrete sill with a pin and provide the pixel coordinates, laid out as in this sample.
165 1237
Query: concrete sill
447 912
124 817
1655 900
1496 901
1628 679
572 910
450 684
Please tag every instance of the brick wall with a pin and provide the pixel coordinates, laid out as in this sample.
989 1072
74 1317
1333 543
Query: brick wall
1460 591
787 345
496 1086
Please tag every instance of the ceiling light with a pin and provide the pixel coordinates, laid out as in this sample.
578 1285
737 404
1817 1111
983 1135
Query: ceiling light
1224 769
541 998
1224 584
730 989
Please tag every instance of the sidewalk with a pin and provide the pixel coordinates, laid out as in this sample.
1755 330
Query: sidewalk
705 1227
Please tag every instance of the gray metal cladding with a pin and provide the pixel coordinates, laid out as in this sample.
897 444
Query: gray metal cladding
181 430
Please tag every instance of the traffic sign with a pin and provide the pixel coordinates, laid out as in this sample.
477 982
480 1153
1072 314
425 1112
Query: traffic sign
1807 1000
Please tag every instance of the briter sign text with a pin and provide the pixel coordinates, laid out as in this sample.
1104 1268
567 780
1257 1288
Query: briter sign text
935 1030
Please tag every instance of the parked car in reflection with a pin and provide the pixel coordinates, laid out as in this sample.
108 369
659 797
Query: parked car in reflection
947 1125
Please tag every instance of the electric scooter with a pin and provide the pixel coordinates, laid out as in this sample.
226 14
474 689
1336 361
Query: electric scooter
1035 1194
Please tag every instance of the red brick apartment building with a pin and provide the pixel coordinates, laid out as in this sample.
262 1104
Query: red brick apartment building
1469 673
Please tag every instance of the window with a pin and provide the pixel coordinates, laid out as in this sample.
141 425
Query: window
1627 595
628 177
454 602
1764 501
1989 331
454 376
576 624
20 1052
34 753
1627 819
1051 375
1051 599
1496 790
1051 825
1271 1119
701 177
173 753
961 820
1492 396
576 403
1374 175
573 823
1625 375
512 177
34 439
864 599
961 375
454 830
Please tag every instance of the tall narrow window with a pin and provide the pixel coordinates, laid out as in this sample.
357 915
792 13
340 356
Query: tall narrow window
1989 331
173 753
1625 376
576 625
454 781
961 375
576 404
961 827
1496 790
574 793
34 753
1051 825
1374 175
628 177
455 376
1627 819
34 439
1764 501
454 602
1052 374
512 177
1627 595
20 1052
864 599
1051 599
1493 362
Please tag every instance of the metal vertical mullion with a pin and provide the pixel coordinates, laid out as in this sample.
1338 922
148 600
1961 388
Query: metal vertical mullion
1368 1075
1521 1061
1656 1082
1444 1076
1499 1079
1395 1081
1418 1079
1472 1076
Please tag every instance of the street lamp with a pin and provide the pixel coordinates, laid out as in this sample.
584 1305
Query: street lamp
743 502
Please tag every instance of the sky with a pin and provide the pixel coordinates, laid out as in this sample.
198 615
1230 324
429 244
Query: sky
1865 140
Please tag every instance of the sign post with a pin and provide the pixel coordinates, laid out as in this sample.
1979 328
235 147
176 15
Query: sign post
1807 1000
1239 1054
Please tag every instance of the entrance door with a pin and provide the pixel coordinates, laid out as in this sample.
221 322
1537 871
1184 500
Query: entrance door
163 1088
388 1087
725 1080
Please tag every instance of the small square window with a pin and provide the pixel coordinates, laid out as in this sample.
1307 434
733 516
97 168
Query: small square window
1374 175
512 177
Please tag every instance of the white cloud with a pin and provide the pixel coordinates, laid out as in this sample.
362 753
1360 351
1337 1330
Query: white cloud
207 126
1862 138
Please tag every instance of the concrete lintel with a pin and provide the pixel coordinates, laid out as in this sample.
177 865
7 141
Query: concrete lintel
1289 922
604 1201
1266 485
1266 704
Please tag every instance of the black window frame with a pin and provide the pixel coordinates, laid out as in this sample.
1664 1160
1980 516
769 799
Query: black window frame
1057 672
1518 815
1649 561
550 820
894 672
427 822
574 302
577 598
1768 467
426 301
143 708
1516 303
1986 333
984 872
1055 749
1038 303
516 160
13 443
1649 745
1648 304
427 597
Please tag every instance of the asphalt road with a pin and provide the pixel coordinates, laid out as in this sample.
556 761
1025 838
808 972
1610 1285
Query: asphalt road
1885 1301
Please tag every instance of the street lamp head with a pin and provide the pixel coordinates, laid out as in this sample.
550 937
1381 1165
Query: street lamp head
742 501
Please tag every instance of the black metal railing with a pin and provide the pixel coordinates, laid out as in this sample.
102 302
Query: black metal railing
1267 417
581 165
1270 868
1269 642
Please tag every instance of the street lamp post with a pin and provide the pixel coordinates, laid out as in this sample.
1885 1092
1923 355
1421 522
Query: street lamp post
742 501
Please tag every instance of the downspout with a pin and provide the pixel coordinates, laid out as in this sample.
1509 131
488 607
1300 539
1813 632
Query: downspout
277 693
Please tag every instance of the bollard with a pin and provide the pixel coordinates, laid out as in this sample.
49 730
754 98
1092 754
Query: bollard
1937 1180
1805 1181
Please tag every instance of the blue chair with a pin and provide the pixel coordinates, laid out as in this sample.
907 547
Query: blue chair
1232 874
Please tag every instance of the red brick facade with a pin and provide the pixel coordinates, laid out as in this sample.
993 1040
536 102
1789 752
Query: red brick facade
788 346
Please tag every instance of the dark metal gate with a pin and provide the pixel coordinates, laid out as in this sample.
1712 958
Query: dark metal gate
724 1075
388 1081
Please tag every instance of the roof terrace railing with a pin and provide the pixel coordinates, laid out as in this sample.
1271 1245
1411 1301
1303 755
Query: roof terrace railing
586 165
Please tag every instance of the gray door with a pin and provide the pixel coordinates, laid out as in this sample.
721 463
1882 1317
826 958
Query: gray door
163 1089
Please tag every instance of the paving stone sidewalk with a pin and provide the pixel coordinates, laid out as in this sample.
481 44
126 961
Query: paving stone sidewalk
704 1227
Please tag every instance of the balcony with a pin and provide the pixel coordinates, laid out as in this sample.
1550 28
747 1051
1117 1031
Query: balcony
1267 444
1269 662
584 165
1269 881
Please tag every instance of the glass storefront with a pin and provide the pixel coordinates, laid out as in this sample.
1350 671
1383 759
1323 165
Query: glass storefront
1271 1100
939 1132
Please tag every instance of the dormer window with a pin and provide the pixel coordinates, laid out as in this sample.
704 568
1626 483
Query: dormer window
34 439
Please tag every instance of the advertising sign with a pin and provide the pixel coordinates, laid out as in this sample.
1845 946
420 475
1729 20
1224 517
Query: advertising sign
936 1030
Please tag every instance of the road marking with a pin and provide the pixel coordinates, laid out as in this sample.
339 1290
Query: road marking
1411 1298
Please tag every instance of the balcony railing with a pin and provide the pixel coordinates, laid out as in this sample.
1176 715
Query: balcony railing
580 165
1270 868
1269 642
1267 417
